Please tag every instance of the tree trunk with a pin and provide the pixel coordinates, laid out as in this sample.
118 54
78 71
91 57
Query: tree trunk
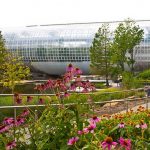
107 82
132 63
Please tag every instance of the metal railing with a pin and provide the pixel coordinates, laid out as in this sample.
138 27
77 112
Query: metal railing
109 107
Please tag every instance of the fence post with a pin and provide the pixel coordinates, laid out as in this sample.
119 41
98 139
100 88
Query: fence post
35 115
147 103
15 110
110 108
127 105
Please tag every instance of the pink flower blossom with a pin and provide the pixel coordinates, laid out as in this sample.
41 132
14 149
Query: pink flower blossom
77 71
18 100
72 141
72 87
80 132
70 68
121 125
95 119
25 113
144 126
4 128
8 121
108 143
66 94
19 121
41 101
50 84
125 143
29 98
11 145
90 128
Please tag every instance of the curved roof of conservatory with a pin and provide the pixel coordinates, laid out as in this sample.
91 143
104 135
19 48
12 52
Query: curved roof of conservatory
51 48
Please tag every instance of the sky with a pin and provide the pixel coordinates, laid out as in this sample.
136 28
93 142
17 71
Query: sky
15 13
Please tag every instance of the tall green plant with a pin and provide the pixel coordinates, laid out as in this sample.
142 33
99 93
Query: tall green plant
13 72
126 36
3 52
100 52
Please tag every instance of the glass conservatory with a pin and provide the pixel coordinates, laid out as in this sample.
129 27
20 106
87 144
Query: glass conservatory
50 48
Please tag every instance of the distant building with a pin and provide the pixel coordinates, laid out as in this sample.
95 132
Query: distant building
50 48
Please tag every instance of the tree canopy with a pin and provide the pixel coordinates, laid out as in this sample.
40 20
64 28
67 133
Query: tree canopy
126 36
100 52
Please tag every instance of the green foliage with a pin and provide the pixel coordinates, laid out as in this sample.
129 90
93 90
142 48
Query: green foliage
2 50
129 81
3 53
13 72
100 52
145 75
126 36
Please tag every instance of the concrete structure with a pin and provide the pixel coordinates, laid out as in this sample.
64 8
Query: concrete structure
50 48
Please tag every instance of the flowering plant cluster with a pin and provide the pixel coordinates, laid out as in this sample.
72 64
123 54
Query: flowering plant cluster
119 131
64 127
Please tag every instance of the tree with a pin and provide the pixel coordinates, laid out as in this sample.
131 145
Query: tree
126 36
2 50
13 71
100 52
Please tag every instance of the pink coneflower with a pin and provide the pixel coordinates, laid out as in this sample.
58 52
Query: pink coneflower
72 141
8 121
25 113
80 132
121 125
125 143
41 101
4 128
66 94
19 121
70 68
72 87
18 100
63 87
77 71
108 143
95 119
11 145
29 98
50 84
90 128
144 126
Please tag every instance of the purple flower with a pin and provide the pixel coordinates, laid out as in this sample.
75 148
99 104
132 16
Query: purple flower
90 128
25 113
77 71
18 100
108 143
121 125
11 145
95 119
80 132
72 141
41 101
19 121
4 128
66 94
70 68
125 143
8 121
29 98
144 126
